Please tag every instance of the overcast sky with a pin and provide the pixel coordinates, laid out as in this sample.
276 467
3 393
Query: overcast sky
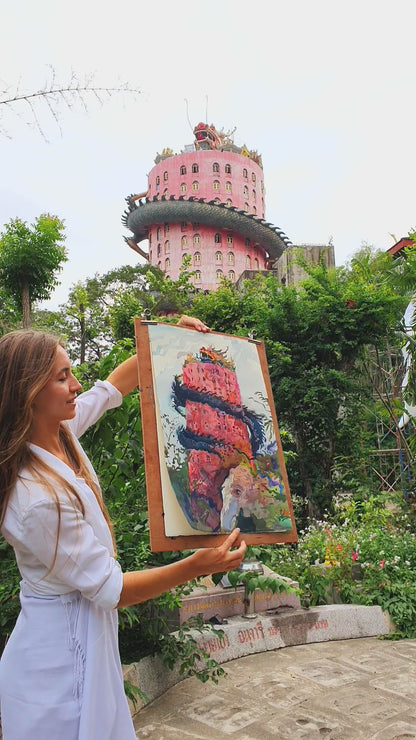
324 90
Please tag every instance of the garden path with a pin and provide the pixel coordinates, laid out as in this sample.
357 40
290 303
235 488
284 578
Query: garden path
361 689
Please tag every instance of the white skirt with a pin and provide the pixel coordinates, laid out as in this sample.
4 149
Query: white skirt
60 673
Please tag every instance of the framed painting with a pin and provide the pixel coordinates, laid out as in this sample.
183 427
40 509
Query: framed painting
212 451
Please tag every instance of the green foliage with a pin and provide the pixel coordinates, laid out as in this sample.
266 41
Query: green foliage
253 581
10 312
159 296
183 649
364 554
133 692
30 258
9 592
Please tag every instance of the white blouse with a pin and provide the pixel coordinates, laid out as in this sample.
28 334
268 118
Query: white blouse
83 558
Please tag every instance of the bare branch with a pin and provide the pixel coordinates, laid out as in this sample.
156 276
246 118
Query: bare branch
52 94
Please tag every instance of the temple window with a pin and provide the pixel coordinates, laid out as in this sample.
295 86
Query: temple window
167 263
165 228
229 238
183 170
167 246
228 187
228 169
195 185
253 177
165 176
245 174
197 258
219 275
183 187
218 238
231 275
198 275
195 168
215 167
184 241
197 239
230 258
218 256
256 263
216 185
248 261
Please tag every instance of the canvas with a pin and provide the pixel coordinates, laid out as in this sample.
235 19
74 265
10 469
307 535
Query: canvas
207 408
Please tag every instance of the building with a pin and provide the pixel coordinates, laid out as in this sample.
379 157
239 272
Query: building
208 202
397 249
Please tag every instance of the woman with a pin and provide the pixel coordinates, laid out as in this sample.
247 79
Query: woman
60 673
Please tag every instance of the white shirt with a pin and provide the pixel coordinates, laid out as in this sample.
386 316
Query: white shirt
84 558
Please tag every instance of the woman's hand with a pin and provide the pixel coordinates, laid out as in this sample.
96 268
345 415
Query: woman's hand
221 558
189 322
142 585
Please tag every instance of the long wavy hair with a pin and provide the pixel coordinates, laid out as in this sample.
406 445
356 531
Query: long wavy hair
27 361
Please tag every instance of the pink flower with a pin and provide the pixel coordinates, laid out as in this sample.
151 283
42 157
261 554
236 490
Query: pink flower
354 556
381 563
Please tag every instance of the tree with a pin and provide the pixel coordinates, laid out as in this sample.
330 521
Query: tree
157 296
30 258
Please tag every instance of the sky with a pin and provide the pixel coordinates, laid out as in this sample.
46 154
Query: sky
324 90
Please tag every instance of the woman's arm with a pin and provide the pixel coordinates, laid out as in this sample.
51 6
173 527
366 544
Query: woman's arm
125 377
142 585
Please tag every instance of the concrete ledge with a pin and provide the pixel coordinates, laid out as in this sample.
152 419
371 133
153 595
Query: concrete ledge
272 630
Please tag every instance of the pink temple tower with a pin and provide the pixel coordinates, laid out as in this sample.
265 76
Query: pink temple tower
206 202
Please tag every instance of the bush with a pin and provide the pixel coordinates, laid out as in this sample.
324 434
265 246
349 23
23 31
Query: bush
365 554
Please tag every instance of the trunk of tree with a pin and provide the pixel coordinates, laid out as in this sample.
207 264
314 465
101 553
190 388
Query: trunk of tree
26 308
83 336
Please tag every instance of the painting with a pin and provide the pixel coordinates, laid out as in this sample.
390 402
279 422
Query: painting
212 449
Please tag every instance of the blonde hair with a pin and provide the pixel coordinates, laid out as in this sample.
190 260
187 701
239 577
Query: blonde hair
27 360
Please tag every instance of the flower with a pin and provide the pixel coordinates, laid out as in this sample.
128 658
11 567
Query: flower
354 556
381 563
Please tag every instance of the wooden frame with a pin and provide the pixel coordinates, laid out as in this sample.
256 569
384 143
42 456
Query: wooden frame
225 467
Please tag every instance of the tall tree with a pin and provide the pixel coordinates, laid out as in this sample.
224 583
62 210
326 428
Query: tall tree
30 258
85 321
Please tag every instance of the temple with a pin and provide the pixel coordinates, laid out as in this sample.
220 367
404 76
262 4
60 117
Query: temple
208 202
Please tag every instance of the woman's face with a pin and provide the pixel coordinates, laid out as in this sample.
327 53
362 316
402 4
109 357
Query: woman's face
56 401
